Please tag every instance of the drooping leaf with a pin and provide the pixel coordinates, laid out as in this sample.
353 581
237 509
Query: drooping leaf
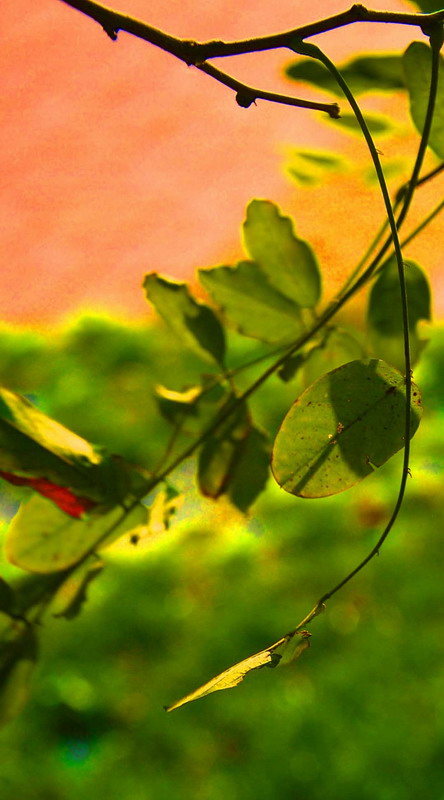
71 596
337 347
18 655
288 262
384 316
287 649
252 470
342 427
375 73
248 299
42 539
219 457
192 321
417 62
38 452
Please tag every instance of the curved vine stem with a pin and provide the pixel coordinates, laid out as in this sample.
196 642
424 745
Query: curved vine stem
315 52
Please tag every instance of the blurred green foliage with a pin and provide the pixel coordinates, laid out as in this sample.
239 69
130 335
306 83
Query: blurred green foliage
361 714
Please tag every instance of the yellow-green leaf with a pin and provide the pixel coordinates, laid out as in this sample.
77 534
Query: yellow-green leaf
43 539
290 647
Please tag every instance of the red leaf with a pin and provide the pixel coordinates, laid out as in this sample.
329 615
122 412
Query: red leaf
64 498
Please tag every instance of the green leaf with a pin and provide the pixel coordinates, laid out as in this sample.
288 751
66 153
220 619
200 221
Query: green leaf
376 124
42 539
7 597
291 366
72 595
375 73
428 5
308 167
384 316
341 428
194 323
337 348
32 445
288 262
287 649
417 61
18 655
252 470
219 456
249 301
193 409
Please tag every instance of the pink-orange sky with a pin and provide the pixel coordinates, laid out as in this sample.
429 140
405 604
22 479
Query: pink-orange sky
117 159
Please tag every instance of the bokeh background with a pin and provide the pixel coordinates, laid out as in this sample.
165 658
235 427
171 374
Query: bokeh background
115 160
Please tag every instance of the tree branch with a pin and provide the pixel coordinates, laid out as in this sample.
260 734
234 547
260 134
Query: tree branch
196 54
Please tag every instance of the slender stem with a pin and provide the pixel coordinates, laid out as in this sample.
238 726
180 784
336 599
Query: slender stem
436 43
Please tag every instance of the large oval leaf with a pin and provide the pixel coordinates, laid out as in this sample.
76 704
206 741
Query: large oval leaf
43 539
341 428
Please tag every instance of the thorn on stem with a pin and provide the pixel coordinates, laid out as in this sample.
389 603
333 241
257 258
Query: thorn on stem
110 31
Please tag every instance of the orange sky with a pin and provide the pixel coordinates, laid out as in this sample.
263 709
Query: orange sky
117 159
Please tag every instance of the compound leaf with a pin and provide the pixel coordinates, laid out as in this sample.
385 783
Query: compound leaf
192 321
257 309
342 427
288 262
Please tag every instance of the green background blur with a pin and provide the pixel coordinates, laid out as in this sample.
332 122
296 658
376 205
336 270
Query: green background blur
360 715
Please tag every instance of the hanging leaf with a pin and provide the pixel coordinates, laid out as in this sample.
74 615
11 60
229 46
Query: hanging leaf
345 425
219 457
194 323
252 470
288 262
375 73
43 539
384 315
71 596
18 655
249 301
417 62
38 452
287 649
